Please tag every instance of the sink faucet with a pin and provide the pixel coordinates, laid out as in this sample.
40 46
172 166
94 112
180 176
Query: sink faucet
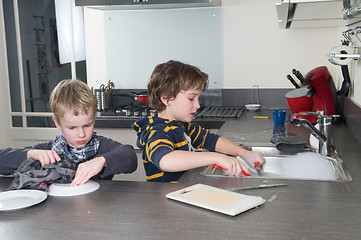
324 134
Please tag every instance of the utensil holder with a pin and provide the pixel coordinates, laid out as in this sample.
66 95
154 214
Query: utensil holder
100 95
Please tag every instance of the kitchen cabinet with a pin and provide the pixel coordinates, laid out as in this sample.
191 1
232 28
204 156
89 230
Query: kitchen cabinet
313 14
138 175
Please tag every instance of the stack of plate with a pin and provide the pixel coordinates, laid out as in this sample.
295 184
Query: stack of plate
253 107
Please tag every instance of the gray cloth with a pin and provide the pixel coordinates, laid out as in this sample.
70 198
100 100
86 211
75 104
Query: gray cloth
290 144
32 175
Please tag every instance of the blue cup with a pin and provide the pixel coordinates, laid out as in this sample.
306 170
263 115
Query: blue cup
279 117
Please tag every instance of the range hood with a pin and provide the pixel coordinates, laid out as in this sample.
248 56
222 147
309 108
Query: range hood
146 4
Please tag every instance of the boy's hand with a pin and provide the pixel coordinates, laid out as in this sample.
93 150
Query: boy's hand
232 166
44 156
252 157
87 170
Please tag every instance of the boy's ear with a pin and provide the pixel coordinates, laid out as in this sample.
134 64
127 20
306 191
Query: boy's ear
56 123
164 100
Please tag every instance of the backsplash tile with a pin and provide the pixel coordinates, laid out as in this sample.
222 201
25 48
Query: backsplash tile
268 98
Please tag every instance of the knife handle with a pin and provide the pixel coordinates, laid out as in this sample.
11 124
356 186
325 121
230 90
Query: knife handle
292 81
219 167
298 75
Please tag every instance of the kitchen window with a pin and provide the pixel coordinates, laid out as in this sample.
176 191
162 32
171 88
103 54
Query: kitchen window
34 65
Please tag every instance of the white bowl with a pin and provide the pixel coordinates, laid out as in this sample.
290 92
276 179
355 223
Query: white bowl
253 107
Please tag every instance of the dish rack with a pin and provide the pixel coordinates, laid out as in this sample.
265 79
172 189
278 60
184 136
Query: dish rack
220 112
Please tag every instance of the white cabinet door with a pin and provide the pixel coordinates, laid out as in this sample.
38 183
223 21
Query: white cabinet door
138 175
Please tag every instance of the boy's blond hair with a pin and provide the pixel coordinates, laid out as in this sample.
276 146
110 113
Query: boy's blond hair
171 77
72 95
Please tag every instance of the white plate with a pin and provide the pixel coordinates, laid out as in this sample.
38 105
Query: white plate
252 107
19 199
58 189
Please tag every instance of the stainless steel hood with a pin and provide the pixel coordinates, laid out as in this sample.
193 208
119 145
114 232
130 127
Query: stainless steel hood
146 4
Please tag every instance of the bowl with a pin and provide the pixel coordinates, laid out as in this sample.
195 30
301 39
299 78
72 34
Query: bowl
253 107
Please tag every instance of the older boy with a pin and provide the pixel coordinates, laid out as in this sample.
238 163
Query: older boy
74 108
168 137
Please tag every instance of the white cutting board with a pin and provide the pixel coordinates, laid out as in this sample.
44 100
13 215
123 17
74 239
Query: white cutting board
216 199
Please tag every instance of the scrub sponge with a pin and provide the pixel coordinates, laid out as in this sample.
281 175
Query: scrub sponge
290 144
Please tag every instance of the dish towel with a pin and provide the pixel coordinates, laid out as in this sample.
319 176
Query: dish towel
290 144
31 175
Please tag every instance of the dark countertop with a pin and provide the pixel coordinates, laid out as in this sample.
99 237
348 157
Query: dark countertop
140 210
303 209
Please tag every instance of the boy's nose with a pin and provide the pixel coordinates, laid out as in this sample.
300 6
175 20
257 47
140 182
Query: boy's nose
196 104
81 132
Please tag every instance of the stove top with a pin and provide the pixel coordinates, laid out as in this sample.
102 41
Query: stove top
127 111
138 111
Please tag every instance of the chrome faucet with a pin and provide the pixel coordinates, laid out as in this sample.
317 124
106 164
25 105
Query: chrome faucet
323 135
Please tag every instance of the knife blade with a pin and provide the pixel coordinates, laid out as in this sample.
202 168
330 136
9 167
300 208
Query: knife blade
235 189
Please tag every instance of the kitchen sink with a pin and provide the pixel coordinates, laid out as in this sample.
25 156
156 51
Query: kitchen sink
307 165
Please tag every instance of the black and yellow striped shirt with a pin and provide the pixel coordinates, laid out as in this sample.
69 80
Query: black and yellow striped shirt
158 137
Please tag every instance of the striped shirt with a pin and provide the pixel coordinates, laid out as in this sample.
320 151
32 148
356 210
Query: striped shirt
158 137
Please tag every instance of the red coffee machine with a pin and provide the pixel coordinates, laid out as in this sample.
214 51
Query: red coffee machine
323 92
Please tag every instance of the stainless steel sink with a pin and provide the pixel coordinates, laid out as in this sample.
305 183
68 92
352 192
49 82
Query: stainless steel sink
307 165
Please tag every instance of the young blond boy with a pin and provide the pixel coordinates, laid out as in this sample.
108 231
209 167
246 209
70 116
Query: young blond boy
74 108
168 137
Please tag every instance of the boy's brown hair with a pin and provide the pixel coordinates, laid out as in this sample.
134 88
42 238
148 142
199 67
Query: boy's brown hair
72 95
171 77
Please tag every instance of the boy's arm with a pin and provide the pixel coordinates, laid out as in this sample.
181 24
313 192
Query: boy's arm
119 158
112 158
161 149
223 145
10 159
184 160
227 147
43 153
87 170
179 160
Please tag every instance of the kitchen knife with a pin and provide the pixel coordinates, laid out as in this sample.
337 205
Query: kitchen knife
215 166
299 76
257 166
292 81
235 189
